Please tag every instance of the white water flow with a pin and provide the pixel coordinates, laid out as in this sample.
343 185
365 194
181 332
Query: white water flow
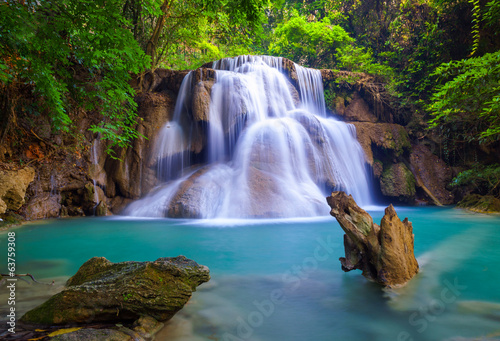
266 155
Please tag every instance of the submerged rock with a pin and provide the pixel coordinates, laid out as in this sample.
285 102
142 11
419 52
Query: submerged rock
89 334
102 291
384 253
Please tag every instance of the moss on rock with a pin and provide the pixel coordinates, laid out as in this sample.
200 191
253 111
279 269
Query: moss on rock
480 204
398 181
102 291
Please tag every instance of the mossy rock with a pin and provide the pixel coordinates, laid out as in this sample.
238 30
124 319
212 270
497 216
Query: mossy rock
398 181
102 291
480 204
89 334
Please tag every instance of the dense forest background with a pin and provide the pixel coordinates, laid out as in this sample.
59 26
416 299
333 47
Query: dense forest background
436 61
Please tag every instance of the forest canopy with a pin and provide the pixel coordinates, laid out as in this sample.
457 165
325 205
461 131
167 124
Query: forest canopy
438 58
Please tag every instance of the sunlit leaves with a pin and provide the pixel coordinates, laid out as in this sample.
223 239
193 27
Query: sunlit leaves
311 43
471 94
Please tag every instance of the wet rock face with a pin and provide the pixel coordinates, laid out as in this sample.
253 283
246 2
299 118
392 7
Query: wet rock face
383 253
44 206
387 138
132 177
397 181
356 110
102 291
432 172
202 190
13 186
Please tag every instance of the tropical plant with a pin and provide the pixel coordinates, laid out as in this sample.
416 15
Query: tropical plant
70 53
470 97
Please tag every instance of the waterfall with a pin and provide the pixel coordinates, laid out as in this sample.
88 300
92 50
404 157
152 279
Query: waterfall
270 150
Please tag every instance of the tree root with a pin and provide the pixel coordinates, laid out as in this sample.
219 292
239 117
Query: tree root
27 275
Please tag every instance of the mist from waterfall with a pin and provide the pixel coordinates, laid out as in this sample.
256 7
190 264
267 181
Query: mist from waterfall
270 150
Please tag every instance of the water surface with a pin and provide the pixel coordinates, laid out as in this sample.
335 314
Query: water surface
281 279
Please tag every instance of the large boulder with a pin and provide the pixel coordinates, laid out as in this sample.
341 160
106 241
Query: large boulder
397 181
200 194
382 138
13 186
42 206
356 109
432 174
359 96
102 291
384 253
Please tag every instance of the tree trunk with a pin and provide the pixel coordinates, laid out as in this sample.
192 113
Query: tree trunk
155 37
8 103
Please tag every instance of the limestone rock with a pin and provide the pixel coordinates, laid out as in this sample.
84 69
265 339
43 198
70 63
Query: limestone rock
102 291
432 173
383 253
368 96
397 181
199 193
45 205
13 186
201 102
3 206
147 327
89 334
119 203
94 200
382 137
161 80
357 110
131 176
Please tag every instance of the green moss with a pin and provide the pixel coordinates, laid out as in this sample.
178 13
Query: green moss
397 140
44 313
398 181
480 204
410 181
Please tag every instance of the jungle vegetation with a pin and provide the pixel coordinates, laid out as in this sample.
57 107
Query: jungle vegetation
439 60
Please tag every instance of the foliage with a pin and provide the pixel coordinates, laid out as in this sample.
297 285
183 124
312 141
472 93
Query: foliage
484 179
186 34
80 53
470 96
358 59
312 43
71 52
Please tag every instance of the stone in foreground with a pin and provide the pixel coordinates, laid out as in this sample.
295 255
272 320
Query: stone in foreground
102 291
384 253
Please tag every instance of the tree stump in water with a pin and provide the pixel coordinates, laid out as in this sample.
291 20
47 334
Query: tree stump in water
383 253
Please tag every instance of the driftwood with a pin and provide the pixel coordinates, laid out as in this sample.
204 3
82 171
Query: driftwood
26 275
384 253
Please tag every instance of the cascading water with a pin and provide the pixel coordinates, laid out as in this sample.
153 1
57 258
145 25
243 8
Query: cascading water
270 149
